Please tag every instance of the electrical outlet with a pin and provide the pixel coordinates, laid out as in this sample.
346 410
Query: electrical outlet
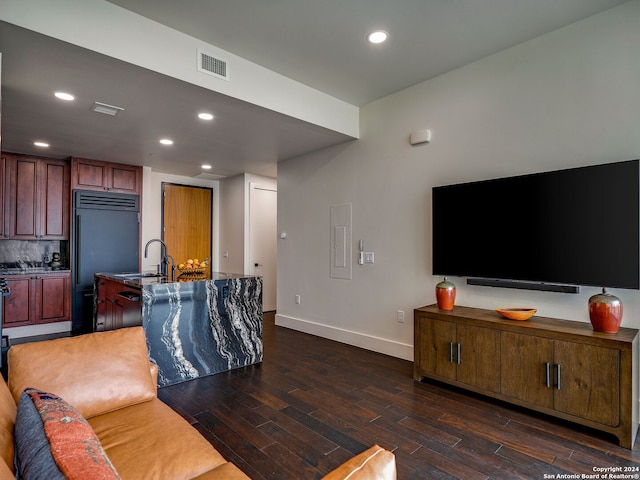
400 316
297 299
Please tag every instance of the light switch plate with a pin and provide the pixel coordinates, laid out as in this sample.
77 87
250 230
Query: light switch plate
368 257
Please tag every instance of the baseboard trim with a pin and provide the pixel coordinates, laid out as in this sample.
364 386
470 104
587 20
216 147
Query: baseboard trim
36 330
357 339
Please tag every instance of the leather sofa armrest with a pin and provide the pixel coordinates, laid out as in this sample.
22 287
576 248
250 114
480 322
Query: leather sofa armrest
154 374
375 463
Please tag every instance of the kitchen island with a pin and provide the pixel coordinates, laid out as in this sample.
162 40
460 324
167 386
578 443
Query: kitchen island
195 326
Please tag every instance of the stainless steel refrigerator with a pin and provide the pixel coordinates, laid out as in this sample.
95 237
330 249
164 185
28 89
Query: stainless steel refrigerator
106 238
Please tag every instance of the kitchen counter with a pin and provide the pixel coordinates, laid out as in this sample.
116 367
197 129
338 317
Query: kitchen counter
196 325
140 279
30 270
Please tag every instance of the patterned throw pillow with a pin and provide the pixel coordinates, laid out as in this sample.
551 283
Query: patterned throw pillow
53 441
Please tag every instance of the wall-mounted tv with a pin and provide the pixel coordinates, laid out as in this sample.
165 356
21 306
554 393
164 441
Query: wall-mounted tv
578 226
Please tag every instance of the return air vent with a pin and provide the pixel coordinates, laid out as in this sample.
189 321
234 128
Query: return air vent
211 65
209 176
105 201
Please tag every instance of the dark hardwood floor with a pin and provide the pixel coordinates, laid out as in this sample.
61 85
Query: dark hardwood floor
313 403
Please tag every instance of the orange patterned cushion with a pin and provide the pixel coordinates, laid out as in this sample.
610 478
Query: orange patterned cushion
54 441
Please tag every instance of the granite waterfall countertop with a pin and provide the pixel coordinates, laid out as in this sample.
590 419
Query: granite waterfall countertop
141 279
199 325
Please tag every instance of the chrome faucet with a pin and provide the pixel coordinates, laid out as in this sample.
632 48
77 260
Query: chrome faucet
164 263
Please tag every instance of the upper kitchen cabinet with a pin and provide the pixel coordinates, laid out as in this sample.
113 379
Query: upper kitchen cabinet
105 176
36 198
4 229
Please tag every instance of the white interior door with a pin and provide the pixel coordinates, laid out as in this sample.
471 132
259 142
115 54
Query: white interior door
263 208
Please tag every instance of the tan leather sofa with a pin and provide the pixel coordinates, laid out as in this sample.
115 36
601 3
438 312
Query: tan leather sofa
109 380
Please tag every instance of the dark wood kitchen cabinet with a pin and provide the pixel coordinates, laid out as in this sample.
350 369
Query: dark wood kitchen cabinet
117 305
4 229
36 198
37 298
89 174
558 367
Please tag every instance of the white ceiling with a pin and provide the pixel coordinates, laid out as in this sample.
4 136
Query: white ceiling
319 43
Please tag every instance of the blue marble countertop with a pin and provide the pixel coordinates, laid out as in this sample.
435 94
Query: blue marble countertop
203 327
199 325
141 279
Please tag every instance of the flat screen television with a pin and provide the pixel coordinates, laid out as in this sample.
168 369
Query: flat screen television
578 226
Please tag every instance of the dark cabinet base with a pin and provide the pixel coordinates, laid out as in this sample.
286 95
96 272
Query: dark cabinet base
557 367
116 305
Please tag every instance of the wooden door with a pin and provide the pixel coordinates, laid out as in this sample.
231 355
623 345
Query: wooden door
589 382
186 222
479 363
523 364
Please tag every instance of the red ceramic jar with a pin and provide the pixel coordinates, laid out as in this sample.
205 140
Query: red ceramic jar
605 312
445 294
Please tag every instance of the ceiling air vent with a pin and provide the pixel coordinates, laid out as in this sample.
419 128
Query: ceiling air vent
211 65
209 176
112 110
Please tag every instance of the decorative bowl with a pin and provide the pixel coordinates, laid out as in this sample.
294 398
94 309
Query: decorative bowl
191 271
517 313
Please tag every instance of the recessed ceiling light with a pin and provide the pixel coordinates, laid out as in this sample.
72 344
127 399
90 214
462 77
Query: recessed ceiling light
378 36
41 144
166 141
205 116
206 167
64 96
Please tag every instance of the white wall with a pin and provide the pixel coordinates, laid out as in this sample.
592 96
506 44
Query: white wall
234 220
152 214
232 207
569 98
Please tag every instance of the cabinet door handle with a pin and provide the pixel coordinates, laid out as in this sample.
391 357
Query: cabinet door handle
557 376
458 354
450 352
547 375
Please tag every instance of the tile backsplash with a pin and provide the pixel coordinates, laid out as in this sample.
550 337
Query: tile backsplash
33 251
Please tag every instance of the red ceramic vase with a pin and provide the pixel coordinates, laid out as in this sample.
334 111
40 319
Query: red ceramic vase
445 294
605 312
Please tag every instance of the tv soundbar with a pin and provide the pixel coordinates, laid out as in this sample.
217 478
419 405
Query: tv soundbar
545 287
